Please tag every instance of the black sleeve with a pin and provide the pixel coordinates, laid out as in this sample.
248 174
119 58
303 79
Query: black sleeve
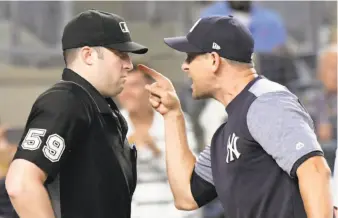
56 125
202 191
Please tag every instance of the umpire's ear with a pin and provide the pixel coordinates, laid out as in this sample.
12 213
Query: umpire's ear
88 55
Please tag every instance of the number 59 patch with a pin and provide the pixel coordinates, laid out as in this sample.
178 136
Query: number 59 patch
55 144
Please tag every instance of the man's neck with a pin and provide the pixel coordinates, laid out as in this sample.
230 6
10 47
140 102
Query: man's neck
86 76
234 86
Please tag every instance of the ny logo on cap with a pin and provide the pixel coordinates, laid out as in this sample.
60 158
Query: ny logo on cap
124 27
193 27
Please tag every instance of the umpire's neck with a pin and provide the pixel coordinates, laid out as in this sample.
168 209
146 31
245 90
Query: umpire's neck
232 80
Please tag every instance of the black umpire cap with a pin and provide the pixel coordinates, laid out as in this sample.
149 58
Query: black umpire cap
99 28
222 34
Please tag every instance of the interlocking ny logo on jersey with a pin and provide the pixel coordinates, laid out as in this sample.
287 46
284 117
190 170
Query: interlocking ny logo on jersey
232 148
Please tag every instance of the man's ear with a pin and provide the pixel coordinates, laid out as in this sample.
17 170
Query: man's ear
87 55
216 61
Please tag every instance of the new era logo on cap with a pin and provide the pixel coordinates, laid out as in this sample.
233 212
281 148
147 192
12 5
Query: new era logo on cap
216 46
124 27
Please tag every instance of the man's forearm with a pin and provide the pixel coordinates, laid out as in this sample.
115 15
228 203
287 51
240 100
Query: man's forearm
32 202
316 194
180 160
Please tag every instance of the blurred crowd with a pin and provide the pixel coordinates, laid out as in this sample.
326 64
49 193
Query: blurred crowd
275 58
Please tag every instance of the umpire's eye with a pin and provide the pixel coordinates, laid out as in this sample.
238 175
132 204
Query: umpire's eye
191 57
122 55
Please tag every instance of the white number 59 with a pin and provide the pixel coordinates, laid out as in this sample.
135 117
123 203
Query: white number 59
55 144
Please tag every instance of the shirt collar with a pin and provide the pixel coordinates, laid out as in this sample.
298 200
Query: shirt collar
236 102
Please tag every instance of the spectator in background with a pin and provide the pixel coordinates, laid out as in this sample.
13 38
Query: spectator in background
325 114
7 151
327 103
265 25
152 197
212 116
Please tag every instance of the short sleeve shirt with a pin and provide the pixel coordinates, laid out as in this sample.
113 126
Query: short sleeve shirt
78 138
254 156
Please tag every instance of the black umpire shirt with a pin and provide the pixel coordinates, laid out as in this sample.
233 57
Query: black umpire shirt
78 138
253 158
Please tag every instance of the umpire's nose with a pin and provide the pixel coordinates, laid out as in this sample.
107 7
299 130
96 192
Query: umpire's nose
128 64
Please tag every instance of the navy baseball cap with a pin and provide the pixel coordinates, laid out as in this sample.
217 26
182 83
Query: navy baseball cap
222 34
99 28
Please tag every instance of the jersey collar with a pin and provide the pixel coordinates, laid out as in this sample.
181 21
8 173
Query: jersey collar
237 101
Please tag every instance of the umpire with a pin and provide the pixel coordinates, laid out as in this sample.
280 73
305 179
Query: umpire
265 161
73 160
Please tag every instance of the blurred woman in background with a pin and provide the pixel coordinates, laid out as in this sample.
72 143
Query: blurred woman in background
152 197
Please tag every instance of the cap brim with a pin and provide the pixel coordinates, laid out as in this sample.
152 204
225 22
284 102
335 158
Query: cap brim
181 44
132 47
